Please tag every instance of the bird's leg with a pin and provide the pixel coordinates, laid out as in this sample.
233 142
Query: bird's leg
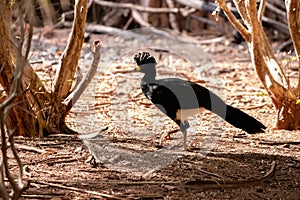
184 140
183 127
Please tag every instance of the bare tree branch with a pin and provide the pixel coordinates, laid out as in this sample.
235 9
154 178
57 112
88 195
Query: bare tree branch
145 3
261 10
293 15
243 31
137 7
139 19
65 75
276 10
84 81
98 28
29 9
172 17
200 5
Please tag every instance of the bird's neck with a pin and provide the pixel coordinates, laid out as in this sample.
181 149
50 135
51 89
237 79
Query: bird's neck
150 76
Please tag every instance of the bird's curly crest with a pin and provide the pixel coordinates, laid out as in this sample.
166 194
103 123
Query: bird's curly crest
144 58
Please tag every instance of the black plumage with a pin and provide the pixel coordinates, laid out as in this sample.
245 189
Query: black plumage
179 99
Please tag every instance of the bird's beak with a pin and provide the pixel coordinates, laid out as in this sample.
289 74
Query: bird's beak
137 69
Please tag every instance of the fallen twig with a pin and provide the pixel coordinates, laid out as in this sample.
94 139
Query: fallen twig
62 161
274 143
54 160
77 189
230 184
30 148
253 107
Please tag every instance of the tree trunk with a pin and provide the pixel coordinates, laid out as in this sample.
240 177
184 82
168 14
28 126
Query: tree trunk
38 110
268 69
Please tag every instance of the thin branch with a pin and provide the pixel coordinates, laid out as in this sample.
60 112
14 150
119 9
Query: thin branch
139 19
84 81
98 28
240 7
30 8
4 159
243 31
199 5
276 10
261 10
101 195
21 187
22 26
30 148
172 17
136 7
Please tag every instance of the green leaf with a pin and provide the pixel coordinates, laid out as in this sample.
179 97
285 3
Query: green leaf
294 58
263 94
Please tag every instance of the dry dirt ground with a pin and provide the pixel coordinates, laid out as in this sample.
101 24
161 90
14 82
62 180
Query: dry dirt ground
236 166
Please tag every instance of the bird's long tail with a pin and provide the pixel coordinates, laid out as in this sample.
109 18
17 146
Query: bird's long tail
234 116
243 121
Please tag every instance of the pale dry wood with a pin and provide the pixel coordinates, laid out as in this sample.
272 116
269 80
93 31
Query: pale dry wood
293 16
97 28
194 4
30 148
266 65
85 80
139 19
145 3
69 61
243 31
261 10
137 7
98 194
172 17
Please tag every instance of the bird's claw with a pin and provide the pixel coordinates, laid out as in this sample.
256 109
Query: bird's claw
164 138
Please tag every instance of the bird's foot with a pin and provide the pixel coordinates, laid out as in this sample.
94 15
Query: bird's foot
166 136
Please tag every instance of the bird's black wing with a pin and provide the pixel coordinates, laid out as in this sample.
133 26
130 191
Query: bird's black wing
162 97
179 93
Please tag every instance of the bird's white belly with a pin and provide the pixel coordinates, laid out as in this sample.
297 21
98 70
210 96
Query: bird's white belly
185 114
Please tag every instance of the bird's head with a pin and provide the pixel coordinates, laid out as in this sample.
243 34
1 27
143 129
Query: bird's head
145 63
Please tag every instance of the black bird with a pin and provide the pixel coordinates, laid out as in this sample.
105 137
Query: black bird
179 99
